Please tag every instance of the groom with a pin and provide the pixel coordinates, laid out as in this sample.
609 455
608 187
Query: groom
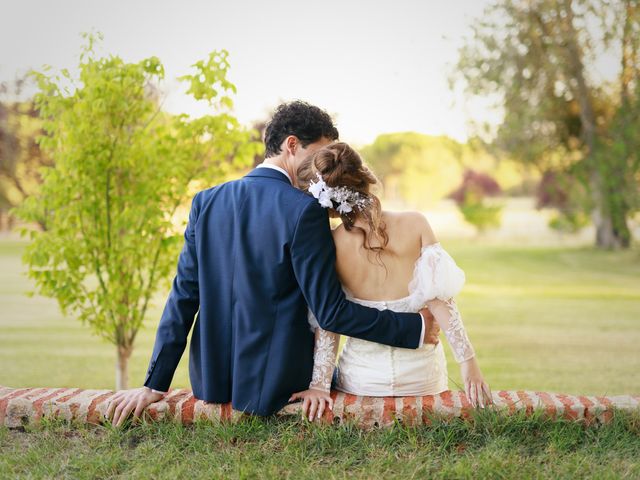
257 251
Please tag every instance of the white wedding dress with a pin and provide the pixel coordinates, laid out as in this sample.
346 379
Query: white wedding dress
373 369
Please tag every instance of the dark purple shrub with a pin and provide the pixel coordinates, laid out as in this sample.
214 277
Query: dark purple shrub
480 184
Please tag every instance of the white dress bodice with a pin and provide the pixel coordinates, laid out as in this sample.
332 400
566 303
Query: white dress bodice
374 369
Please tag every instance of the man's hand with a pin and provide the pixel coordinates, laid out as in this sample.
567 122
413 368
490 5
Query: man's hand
431 327
126 401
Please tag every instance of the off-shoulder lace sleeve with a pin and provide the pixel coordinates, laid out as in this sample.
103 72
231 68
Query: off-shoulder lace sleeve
436 280
436 275
324 355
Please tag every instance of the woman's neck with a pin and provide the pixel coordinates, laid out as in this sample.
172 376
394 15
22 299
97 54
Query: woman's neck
362 223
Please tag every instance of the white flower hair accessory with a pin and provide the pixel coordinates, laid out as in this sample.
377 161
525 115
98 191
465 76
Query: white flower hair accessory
346 198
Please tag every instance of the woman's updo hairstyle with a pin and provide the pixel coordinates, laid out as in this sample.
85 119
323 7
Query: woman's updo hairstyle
341 166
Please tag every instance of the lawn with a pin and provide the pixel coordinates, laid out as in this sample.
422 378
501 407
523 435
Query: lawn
490 445
550 318
561 319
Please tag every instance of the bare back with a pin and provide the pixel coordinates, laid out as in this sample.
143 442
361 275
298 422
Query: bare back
363 275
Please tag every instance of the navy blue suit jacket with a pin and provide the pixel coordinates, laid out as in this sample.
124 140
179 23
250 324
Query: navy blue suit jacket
257 251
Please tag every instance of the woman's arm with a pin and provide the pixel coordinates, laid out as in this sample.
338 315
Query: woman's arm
324 361
436 282
448 317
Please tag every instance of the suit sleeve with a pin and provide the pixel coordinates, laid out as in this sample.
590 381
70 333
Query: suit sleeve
313 257
179 311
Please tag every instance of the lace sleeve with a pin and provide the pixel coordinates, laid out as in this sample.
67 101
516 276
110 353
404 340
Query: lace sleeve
437 279
448 317
324 359
435 275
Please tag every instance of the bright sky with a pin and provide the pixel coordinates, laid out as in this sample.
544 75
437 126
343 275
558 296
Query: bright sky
377 66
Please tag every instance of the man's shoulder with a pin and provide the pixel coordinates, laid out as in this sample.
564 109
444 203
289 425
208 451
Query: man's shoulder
300 204
219 186
304 198
294 197
207 192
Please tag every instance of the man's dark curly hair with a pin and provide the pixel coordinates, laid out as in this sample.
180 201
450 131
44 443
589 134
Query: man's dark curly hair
305 121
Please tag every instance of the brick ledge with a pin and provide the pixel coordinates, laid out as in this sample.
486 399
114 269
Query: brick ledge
21 406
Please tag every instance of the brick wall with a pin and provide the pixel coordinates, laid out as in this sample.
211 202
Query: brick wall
21 406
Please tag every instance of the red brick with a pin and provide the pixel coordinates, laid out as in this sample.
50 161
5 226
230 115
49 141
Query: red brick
368 411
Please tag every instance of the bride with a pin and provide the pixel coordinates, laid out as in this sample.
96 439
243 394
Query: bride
384 260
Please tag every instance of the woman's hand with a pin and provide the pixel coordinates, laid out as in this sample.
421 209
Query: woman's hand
477 390
313 401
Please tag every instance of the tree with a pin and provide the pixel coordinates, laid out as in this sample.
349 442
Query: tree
470 198
418 169
536 58
259 127
122 168
562 192
618 154
20 155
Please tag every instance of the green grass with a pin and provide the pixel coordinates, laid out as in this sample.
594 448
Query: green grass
555 319
490 445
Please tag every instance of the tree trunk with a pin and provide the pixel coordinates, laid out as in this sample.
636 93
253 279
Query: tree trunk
628 79
122 367
621 230
607 236
611 232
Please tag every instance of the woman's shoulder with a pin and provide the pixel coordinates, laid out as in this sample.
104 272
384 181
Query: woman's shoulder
415 223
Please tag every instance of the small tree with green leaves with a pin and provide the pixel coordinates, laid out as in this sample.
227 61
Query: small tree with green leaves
470 198
122 168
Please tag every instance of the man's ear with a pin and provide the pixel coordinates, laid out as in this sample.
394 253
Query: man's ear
291 144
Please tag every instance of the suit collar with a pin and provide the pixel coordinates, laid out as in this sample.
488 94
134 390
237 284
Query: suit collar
276 167
268 173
